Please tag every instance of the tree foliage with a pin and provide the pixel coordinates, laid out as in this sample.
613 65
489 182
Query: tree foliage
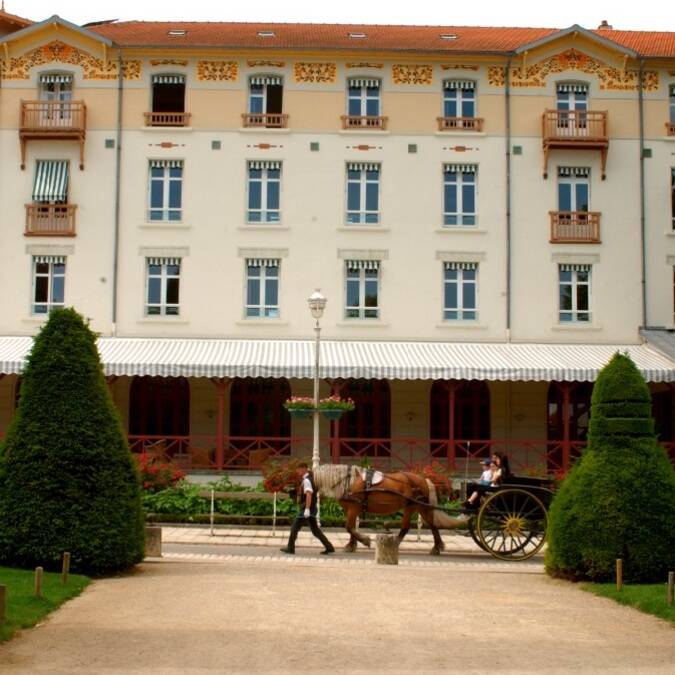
67 479
619 498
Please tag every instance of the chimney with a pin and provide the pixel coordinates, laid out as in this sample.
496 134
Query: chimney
605 26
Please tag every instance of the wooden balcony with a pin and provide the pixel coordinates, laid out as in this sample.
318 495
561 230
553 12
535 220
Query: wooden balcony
364 122
460 123
167 119
670 128
575 227
52 120
575 130
265 121
50 220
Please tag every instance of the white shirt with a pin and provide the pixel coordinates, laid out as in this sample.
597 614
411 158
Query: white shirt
487 475
306 484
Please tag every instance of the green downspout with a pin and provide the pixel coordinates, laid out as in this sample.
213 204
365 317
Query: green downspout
118 173
508 199
643 260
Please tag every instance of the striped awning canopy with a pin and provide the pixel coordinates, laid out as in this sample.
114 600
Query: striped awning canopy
51 181
367 359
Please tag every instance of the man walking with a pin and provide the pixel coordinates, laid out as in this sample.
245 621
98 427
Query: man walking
307 513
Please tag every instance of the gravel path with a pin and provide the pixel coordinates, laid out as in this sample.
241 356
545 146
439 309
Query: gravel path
306 616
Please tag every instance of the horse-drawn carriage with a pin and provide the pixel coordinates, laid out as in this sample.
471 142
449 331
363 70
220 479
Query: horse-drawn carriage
510 522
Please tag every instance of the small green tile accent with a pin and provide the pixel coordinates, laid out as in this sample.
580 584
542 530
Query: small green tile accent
314 146
517 149
646 153
109 142
412 148
215 145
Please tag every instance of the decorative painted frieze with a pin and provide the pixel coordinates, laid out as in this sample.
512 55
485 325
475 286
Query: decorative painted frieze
412 74
265 64
217 71
56 51
458 66
314 72
496 76
168 62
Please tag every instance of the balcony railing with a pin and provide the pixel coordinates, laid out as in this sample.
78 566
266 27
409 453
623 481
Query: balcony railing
50 220
575 129
364 122
460 123
267 120
56 120
670 128
575 227
167 119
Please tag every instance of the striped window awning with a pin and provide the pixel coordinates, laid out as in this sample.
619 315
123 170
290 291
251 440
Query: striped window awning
163 261
578 87
262 262
265 79
449 265
467 85
362 264
56 78
53 259
573 267
51 181
264 164
164 163
578 171
460 168
362 166
168 79
369 359
363 82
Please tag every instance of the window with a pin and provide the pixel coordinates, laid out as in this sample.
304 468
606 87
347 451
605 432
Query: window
264 185
459 194
672 197
574 283
363 193
362 289
166 189
49 276
459 291
56 87
671 100
459 98
163 286
168 93
363 97
573 189
572 96
262 288
50 185
265 95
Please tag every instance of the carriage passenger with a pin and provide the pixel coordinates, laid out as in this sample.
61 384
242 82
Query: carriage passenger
499 468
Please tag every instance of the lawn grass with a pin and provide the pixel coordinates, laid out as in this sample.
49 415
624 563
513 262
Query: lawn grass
23 609
648 598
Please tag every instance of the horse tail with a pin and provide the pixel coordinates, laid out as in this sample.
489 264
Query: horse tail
441 519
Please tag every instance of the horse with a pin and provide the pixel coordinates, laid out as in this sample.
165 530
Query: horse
401 490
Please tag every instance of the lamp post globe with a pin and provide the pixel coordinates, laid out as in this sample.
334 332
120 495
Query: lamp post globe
317 303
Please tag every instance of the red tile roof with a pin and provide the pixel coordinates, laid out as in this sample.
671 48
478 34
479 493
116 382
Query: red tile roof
336 36
12 18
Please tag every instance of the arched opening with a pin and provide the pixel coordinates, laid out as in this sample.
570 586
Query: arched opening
471 415
257 412
159 406
578 395
366 430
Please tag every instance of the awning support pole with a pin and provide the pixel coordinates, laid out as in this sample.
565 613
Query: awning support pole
452 451
221 384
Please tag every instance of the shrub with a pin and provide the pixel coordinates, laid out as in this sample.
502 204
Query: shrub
619 499
177 499
439 474
156 474
67 479
280 476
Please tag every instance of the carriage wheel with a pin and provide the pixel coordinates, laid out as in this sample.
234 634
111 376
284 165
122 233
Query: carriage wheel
473 531
511 524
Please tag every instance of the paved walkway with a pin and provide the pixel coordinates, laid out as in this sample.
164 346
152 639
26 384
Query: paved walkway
319 615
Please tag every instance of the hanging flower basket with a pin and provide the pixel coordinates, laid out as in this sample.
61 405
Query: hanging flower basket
333 407
300 407
332 413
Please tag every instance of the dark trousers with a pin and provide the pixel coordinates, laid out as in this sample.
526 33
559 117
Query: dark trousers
299 522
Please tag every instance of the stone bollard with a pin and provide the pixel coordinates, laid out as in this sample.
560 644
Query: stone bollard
386 549
153 541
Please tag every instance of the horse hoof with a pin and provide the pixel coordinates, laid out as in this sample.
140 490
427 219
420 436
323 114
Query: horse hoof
366 541
349 549
434 551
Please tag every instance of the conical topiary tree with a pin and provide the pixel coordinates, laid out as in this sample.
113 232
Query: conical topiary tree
619 499
67 479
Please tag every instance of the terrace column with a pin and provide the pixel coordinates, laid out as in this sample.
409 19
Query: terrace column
335 388
566 450
222 385
452 387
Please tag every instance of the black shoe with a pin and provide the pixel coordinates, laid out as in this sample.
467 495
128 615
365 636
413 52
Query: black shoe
285 549
327 551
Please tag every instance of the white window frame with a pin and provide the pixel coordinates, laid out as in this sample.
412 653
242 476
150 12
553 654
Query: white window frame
672 197
463 218
361 276
575 314
671 103
463 312
167 179
266 215
165 308
363 181
459 100
267 273
574 180
363 97
50 275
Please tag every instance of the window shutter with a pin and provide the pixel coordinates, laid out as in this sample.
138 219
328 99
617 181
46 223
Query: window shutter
51 181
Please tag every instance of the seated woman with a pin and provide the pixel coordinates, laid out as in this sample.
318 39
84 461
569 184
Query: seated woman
500 472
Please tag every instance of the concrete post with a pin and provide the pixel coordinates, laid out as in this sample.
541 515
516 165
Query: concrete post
153 541
386 549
